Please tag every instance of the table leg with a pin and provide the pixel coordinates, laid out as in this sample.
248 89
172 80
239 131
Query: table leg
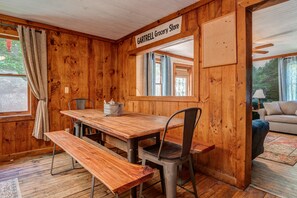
132 148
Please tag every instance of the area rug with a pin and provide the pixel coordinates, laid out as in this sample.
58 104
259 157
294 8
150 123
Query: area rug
10 189
280 148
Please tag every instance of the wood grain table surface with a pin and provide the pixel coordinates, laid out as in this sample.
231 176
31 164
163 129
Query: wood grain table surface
127 126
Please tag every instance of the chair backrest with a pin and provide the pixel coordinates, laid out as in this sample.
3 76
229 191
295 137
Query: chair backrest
80 103
191 118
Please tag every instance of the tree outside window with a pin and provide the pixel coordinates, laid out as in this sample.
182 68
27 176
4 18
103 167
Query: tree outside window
14 93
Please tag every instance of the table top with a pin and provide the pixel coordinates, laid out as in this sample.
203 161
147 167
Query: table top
126 126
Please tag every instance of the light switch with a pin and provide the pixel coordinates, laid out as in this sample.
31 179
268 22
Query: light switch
66 90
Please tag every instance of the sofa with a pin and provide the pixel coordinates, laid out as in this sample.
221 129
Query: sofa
281 115
259 132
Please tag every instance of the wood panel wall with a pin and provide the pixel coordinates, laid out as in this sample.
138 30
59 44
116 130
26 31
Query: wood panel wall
223 97
87 66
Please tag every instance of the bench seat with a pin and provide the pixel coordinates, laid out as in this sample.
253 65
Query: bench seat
197 146
116 174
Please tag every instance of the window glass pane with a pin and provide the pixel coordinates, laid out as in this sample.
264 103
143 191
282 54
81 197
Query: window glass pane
291 81
13 94
11 60
158 90
158 73
180 86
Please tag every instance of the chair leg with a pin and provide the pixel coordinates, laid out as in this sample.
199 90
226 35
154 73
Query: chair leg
193 177
141 185
161 171
170 173
92 187
54 152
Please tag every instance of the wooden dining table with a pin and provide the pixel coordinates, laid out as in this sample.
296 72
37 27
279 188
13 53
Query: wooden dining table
129 127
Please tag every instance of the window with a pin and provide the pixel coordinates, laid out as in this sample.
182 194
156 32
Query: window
158 78
182 79
291 80
14 91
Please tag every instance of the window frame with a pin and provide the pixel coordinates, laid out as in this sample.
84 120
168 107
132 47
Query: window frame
189 76
21 114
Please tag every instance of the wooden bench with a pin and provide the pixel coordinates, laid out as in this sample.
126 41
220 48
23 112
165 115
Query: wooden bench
197 146
116 174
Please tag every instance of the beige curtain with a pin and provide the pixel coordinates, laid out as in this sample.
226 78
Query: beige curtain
33 44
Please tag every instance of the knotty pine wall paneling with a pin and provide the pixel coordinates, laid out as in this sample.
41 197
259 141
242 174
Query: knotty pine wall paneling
86 65
222 97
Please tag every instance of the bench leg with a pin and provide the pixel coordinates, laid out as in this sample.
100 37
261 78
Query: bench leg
53 159
92 187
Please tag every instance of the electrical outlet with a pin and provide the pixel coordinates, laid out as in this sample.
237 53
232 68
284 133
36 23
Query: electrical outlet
67 130
66 90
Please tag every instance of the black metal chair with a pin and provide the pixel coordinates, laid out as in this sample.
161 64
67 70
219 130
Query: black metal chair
170 155
80 103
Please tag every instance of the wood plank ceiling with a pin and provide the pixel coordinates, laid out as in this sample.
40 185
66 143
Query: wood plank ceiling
111 19
276 25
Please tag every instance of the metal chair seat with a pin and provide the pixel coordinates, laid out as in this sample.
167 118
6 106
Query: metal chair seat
169 150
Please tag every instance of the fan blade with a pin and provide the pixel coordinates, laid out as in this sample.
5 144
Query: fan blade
264 46
260 52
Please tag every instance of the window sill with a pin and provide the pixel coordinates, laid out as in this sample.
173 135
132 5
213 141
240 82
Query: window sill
15 118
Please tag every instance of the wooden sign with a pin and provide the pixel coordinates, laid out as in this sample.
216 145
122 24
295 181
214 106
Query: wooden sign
219 41
160 32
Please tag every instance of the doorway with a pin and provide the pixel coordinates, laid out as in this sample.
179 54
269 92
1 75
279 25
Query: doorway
274 41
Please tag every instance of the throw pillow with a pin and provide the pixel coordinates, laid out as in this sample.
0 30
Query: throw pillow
288 107
272 108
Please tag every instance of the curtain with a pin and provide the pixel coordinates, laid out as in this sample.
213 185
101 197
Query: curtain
167 74
287 68
149 74
34 49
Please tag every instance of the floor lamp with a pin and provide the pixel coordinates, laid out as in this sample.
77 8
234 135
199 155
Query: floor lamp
259 94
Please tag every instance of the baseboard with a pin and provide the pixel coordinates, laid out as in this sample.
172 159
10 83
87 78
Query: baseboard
10 157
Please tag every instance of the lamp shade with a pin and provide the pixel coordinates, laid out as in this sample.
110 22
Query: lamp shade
259 94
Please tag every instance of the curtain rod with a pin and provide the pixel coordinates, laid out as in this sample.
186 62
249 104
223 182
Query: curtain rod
8 25
14 26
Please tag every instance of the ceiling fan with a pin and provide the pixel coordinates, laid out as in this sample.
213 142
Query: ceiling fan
257 50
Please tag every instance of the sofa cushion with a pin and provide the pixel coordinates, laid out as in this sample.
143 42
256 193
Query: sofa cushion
288 107
292 119
296 112
272 108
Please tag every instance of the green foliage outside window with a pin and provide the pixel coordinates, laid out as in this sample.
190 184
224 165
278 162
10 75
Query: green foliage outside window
266 78
13 61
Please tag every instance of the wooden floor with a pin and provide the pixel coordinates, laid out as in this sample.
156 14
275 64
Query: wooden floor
36 181
279 179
